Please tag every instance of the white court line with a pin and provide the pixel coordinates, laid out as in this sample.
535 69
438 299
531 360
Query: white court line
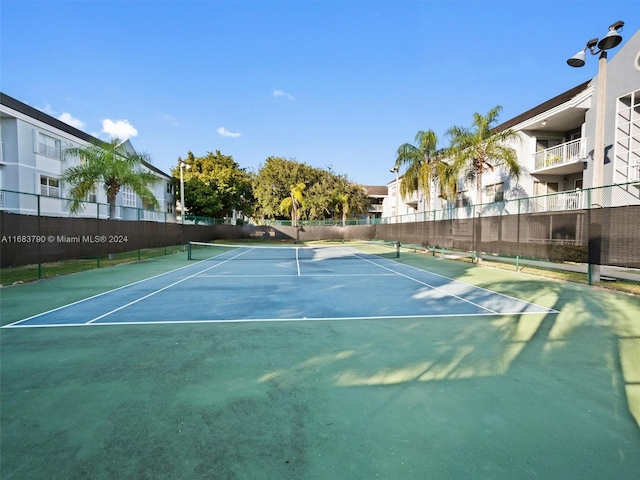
339 275
274 320
297 261
431 286
100 294
551 310
164 288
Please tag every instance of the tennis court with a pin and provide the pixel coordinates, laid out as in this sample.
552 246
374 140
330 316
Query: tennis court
262 283
338 361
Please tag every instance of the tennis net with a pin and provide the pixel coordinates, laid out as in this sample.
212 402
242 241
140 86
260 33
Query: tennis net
320 251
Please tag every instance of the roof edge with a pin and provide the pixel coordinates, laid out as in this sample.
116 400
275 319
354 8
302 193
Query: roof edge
543 107
18 106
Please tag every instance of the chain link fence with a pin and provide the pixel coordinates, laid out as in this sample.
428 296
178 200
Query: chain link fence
580 230
39 230
598 227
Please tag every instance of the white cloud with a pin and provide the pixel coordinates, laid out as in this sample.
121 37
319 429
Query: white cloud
48 110
279 93
70 120
223 132
169 118
120 128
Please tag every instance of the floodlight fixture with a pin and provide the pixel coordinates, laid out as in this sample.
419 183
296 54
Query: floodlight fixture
610 40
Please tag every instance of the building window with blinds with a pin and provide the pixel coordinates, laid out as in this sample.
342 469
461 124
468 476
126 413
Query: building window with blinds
128 197
49 186
48 146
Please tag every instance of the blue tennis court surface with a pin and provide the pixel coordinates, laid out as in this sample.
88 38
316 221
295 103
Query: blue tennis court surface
292 284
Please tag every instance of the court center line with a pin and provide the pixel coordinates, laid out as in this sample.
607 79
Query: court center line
297 261
164 288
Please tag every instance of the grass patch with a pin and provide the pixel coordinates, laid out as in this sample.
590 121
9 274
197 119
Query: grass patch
31 273
619 285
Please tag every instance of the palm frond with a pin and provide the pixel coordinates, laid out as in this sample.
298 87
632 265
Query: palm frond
111 165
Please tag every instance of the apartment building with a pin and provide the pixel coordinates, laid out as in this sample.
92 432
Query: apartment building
557 140
377 195
32 160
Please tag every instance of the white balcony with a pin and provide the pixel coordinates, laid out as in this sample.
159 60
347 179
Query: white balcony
561 159
570 200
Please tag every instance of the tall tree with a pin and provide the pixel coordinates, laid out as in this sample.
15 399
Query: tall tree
294 203
422 162
480 148
215 185
111 166
273 183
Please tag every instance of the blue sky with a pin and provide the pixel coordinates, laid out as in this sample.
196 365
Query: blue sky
338 84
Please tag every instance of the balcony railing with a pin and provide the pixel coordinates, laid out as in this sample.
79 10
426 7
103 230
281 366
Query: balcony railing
560 154
571 200
616 195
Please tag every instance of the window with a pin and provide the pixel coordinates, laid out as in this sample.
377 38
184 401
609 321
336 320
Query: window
169 188
128 197
462 200
48 146
169 207
495 193
49 186
92 197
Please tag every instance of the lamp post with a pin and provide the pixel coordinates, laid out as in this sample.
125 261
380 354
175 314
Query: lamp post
395 170
183 165
610 40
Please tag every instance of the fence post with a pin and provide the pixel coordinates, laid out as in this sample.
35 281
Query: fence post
593 242
39 243
518 230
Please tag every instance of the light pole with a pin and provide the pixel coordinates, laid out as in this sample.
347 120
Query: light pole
610 40
395 170
183 165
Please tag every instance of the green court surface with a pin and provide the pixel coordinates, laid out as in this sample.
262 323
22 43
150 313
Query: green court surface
554 394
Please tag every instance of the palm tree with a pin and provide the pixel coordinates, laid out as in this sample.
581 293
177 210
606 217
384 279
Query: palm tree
480 148
422 160
110 165
293 203
342 202
448 181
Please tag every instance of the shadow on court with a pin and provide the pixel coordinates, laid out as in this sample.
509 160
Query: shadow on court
505 396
